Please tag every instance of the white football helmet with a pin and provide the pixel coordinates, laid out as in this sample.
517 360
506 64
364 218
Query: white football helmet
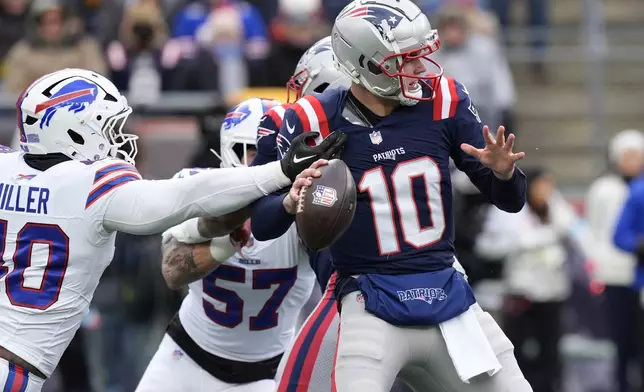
316 71
240 130
75 112
373 40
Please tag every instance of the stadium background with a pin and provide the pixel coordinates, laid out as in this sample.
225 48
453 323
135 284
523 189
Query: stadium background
567 74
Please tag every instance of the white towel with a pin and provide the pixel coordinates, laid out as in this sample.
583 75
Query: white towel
468 346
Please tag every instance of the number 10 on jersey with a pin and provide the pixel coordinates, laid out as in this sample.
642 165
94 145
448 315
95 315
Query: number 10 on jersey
398 193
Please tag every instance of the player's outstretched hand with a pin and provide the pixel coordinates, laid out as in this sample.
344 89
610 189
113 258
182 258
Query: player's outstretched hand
497 154
300 155
302 180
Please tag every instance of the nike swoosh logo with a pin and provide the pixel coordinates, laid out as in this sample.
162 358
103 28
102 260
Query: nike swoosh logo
289 128
302 159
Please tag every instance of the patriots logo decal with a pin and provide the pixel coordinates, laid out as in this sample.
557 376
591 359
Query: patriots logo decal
383 18
262 132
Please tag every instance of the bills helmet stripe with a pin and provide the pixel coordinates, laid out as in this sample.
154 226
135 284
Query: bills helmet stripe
63 98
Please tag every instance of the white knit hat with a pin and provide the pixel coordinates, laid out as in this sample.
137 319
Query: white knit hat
629 139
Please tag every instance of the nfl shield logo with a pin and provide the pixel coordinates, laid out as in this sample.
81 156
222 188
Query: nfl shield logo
325 196
376 137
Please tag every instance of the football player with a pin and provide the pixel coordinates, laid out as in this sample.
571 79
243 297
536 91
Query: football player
241 311
63 198
404 120
314 73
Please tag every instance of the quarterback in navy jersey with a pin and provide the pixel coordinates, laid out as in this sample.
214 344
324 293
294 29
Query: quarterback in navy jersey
404 159
404 120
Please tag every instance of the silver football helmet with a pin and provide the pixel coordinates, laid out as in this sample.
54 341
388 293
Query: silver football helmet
384 45
316 71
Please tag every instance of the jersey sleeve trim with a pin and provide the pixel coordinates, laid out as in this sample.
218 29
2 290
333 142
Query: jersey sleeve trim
446 100
107 187
277 115
109 178
114 168
311 113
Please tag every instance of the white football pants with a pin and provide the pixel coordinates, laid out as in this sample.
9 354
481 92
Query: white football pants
372 352
171 370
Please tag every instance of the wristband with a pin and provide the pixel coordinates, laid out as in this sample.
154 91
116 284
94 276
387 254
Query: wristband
188 232
222 248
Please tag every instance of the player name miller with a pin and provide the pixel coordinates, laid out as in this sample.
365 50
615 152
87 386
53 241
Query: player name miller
18 198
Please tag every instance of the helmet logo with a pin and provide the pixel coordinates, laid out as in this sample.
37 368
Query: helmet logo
76 96
263 132
381 17
236 116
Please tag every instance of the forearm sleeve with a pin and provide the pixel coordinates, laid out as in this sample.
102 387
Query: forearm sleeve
149 207
269 219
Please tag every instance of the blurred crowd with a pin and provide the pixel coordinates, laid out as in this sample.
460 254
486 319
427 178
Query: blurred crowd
151 46
545 272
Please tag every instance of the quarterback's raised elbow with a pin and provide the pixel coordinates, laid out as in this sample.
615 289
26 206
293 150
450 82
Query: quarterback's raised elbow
513 208
510 206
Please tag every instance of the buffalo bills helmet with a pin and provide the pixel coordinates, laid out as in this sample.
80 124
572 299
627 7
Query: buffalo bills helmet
75 112
241 129
374 40
316 71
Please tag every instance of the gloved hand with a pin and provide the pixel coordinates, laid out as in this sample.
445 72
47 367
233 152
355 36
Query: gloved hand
300 155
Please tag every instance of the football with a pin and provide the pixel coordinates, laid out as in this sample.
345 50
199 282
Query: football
326 208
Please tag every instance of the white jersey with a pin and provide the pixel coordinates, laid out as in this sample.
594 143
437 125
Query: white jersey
53 249
247 309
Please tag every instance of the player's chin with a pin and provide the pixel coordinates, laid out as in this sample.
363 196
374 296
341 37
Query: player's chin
413 88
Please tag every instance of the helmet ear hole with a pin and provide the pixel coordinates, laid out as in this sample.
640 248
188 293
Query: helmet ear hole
76 138
31 120
373 68
321 88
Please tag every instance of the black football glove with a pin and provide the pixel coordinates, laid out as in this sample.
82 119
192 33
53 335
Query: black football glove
301 156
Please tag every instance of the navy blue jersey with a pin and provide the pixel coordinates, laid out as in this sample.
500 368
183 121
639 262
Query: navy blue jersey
403 221
267 131
322 265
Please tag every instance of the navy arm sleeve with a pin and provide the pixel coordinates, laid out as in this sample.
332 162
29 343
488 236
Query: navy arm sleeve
266 143
269 219
507 195
627 237
322 265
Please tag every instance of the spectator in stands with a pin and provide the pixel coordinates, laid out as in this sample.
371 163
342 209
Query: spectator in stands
480 20
477 61
13 15
539 21
532 242
55 40
232 32
298 25
222 33
135 59
614 266
217 37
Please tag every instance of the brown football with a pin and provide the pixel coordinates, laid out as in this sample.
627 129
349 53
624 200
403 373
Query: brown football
327 207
